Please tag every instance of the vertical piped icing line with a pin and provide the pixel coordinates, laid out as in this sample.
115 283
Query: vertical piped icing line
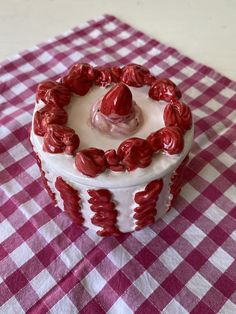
176 182
146 211
105 212
45 181
71 200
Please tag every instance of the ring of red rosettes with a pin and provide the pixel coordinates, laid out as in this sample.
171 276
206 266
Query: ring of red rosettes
50 121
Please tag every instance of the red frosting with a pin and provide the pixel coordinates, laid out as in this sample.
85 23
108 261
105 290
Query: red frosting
164 89
169 139
176 181
115 74
91 161
59 139
105 75
71 200
149 79
117 101
53 94
105 212
178 114
173 140
80 78
135 153
134 75
113 161
45 181
48 115
146 211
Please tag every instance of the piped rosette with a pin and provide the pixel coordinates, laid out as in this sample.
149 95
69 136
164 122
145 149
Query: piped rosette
116 114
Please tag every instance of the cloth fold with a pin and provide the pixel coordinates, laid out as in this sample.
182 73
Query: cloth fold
185 262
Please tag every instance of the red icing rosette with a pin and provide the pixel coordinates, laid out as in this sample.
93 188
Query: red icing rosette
48 115
107 75
178 114
80 78
164 89
53 94
134 75
59 139
113 161
146 211
135 153
169 139
173 140
91 161
150 193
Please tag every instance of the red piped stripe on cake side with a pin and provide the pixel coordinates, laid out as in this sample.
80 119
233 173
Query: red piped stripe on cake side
71 200
176 182
105 212
146 211
45 181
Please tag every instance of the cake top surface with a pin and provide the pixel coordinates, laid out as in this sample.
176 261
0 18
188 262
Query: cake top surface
108 123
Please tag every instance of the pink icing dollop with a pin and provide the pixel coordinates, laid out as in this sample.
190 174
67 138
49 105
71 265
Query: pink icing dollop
115 125
116 114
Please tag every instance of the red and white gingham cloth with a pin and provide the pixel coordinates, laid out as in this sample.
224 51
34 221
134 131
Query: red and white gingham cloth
185 263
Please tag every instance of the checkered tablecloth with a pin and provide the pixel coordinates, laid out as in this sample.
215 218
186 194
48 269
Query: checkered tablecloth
185 263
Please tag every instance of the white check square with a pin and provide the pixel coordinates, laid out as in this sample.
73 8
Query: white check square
198 285
226 159
11 306
209 173
93 282
42 283
193 235
64 305
71 256
146 284
6 230
174 307
19 88
123 51
50 230
228 92
189 193
22 254
119 256
214 213
120 307
221 259
213 104
170 258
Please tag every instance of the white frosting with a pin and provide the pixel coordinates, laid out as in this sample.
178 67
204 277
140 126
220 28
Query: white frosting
120 184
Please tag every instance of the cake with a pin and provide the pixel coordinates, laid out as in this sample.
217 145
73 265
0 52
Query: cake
111 144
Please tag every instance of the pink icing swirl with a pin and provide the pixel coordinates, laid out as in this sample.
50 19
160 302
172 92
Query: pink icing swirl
116 125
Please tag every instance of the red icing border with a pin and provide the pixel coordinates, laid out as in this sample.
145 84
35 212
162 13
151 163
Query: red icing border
80 78
176 182
71 200
45 181
145 213
105 212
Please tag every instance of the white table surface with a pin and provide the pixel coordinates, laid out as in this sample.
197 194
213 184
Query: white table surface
204 30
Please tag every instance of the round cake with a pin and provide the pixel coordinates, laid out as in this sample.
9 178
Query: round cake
111 143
